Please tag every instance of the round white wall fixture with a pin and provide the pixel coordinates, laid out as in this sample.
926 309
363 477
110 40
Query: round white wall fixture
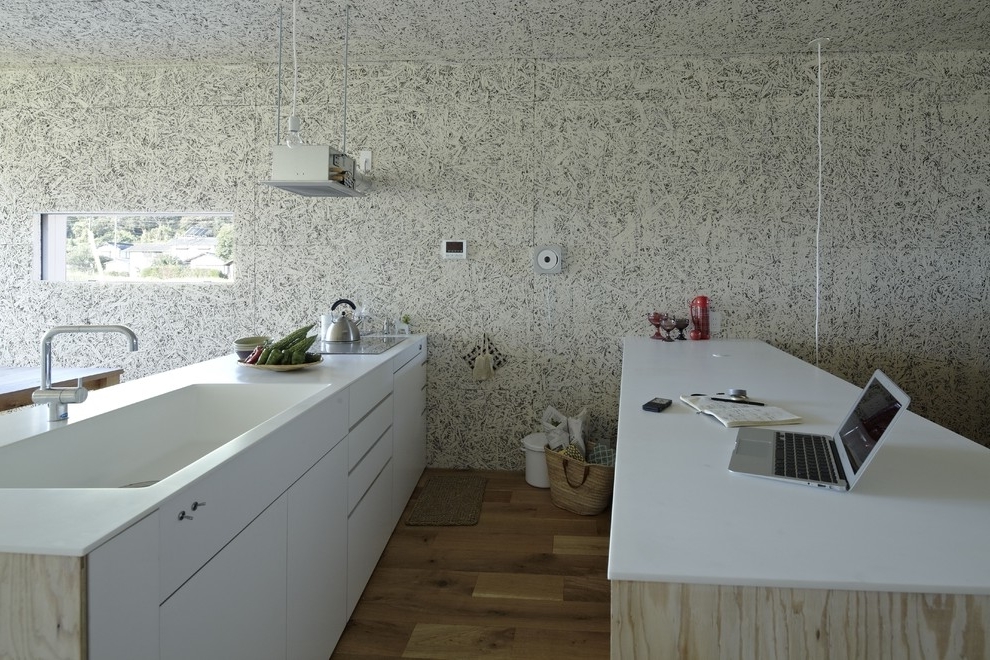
548 259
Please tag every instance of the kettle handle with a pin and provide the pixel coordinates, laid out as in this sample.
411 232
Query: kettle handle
341 302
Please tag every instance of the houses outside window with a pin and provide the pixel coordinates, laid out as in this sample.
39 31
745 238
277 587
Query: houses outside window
133 247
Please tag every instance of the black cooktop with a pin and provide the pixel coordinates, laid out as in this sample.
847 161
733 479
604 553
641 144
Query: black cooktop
364 346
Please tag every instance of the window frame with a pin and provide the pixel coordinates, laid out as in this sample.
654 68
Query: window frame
51 243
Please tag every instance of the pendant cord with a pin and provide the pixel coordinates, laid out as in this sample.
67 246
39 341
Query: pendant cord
278 90
347 32
295 64
818 226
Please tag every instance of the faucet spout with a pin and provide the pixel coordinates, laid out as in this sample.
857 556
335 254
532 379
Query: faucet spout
58 398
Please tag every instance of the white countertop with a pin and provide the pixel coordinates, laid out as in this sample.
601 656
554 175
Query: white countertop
917 521
73 521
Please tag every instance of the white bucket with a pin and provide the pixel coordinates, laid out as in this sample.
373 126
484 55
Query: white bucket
536 460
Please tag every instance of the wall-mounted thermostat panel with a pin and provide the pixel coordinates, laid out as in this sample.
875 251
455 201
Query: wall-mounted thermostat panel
453 248
548 259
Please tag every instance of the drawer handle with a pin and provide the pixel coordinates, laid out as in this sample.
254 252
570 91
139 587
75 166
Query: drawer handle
197 505
184 516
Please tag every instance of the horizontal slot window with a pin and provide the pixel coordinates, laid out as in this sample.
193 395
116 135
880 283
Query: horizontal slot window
136 247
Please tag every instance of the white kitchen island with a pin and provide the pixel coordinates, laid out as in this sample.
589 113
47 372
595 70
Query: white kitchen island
706 563
255 546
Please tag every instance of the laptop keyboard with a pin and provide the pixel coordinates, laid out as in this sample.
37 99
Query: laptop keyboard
803 456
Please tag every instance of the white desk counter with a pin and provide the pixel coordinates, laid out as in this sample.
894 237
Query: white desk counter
918 522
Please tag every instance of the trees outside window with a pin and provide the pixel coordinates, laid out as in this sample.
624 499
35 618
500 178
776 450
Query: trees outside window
137 246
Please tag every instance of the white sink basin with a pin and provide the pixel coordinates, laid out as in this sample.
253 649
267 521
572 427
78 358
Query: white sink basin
144 442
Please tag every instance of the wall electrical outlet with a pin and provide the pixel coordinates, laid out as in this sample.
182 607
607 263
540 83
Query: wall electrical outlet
548 259
364 161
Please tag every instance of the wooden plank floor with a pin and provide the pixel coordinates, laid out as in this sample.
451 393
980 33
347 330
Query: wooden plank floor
527 582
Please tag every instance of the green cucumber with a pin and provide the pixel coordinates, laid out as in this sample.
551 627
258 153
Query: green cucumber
299 349
293 337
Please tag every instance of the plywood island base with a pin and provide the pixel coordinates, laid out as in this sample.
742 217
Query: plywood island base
42 606
665 620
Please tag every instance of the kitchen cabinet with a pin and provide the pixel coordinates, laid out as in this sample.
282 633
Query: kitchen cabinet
317 558
362 439
368 529
369 480
263 554
246 582
200 519
277 589
247 561
234 607
409 424
122 599
368 391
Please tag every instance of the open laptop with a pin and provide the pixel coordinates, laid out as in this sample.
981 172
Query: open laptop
835 462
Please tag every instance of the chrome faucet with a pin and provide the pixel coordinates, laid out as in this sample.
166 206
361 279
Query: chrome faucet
59 398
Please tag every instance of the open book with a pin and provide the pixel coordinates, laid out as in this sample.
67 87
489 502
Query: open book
740 414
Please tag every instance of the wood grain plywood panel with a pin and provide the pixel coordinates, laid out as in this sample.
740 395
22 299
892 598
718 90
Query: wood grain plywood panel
42 607
663 620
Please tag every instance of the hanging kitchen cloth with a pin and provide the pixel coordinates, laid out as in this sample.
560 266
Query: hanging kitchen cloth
483 368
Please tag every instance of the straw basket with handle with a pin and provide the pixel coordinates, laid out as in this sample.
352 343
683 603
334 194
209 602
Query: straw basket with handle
577 486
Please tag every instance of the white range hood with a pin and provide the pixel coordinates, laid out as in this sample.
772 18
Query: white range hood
313 170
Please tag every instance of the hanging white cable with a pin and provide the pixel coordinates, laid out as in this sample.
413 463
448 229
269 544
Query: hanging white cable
818 226
295 64
347 34
549 301
278 87
292 135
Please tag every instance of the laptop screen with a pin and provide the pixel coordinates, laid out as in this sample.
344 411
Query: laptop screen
874 412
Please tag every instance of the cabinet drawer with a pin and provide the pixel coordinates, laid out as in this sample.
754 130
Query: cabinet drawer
408 354
368 530
235 606
417 380
363 436
365 472
199 520
367 392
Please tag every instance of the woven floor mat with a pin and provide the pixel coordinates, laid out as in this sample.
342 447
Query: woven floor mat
448 501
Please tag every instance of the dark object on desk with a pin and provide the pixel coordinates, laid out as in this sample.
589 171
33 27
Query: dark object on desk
657 405
747 403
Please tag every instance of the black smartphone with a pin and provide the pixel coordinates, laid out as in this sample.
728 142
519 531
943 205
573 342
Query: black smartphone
657 405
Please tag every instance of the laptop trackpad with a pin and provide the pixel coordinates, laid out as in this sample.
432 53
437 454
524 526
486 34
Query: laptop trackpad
752 455
753 448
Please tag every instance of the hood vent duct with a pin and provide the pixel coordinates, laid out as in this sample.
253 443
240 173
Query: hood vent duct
311 170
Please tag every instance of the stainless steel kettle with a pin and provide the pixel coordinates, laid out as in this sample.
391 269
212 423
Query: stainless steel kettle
342 328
